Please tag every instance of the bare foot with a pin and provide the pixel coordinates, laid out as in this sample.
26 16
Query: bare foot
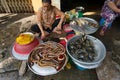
102 33
36 34
44 35
57 30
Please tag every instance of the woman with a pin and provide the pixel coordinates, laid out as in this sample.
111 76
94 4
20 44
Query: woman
110 11
46 19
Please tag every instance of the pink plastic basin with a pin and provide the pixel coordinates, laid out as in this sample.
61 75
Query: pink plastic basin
26 49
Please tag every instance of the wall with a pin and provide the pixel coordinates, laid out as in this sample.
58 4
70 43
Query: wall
23 6
38 3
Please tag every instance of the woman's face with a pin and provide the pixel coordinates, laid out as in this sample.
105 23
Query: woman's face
46 5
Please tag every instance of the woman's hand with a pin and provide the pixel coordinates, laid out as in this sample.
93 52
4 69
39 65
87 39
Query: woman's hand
44 34
57 29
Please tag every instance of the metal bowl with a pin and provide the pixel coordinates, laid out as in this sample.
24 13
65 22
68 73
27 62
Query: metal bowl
100 50
84 28
46 70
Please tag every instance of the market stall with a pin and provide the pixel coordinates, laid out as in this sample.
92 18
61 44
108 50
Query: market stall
50 57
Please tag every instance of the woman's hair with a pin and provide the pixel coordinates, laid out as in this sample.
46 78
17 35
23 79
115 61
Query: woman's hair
47 1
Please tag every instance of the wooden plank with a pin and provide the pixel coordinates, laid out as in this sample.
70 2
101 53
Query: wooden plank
5 6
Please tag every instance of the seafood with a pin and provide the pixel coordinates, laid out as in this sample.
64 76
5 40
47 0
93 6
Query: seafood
85 25
93 24
48 54
82 49
82 22
73 22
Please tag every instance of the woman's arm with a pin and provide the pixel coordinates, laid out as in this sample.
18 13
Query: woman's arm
39 21
113 6
58 28
62 16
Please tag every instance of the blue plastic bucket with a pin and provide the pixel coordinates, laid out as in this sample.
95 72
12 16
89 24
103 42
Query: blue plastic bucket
76 65
79 67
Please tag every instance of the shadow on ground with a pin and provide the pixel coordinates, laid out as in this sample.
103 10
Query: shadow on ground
6 19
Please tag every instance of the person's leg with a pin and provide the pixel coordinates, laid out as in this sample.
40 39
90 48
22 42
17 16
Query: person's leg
56 22
48 30
102 21
37 32
35 29
108 21
57 30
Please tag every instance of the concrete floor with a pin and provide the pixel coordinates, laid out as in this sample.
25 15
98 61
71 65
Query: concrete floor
73 74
